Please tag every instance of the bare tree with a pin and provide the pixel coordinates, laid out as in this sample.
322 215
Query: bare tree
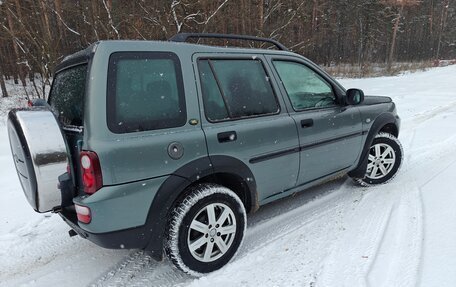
443 20
36 34
2 84
400 5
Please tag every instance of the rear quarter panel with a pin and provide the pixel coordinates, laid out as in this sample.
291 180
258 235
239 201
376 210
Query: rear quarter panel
136 156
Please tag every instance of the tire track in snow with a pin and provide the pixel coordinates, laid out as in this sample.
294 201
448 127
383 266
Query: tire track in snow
423 183
420 118
140 269
351 256
25 258
399 256
421 166
266 232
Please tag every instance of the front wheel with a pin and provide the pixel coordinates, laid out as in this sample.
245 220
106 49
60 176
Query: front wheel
206 229
384 159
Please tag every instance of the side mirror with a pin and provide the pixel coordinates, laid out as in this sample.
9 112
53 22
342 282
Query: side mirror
354 96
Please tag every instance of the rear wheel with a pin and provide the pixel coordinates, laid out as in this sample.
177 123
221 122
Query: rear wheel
205 229
384 159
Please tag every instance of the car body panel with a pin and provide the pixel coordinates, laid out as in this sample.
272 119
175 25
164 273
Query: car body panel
120 206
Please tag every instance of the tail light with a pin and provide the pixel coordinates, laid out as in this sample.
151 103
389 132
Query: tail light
91 172
83 213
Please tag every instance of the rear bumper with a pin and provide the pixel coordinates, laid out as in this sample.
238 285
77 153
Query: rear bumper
120 217
132 238
120 207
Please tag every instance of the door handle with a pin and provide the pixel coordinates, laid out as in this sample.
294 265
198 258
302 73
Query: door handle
227 137
307 123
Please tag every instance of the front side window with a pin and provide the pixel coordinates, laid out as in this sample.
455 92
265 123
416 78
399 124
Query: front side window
145 92
235 89
67 95
305 88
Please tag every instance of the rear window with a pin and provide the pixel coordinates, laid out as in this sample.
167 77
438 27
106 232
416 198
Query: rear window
67 95
145 92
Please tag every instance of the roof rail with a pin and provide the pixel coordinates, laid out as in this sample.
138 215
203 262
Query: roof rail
183 37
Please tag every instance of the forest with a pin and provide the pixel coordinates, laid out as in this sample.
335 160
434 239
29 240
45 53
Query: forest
35 35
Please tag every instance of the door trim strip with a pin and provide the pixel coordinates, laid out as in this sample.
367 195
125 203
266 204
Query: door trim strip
289 151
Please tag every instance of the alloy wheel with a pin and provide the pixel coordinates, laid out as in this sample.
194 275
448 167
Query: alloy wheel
381 161
211 232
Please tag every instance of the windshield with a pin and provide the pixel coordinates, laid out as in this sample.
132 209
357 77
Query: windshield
67 95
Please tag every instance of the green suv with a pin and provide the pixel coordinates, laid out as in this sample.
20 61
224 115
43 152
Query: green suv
166 146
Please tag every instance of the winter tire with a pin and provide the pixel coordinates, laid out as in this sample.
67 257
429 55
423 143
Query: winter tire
206 229
384 159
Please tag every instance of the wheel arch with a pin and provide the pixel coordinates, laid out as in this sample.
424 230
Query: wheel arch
237 184
223 170
385 122
390 128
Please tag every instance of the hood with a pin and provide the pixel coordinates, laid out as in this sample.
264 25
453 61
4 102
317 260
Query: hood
374 100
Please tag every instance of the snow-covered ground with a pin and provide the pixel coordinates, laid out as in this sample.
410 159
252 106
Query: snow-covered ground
336 234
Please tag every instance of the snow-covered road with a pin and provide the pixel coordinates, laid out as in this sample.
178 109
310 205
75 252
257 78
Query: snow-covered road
336 234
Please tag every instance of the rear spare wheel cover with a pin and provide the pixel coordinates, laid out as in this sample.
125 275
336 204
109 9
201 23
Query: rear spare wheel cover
40 155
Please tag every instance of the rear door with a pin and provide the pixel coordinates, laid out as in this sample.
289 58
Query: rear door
330 133
243 118
67 98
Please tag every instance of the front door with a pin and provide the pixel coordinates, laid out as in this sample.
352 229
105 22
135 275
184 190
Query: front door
330 133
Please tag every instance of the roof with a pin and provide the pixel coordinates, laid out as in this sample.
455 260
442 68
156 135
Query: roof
172 46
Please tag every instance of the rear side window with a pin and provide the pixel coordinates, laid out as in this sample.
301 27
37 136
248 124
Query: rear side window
235 89
68 94
145 92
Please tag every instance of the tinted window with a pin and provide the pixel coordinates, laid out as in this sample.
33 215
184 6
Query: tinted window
67 95
145 92
236 88
214 105
304 87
